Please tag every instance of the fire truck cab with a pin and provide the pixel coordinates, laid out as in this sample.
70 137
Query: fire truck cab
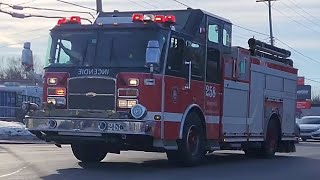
163 81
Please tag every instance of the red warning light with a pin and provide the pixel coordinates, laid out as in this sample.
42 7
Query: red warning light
170 19
159 18
137 17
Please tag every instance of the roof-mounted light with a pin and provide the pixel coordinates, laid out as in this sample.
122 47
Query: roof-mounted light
71 20
137 17
148 17
75 19
159 19
170 19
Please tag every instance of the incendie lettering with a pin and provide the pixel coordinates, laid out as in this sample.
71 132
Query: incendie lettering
93 72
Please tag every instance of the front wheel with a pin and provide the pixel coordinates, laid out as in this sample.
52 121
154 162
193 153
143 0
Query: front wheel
191 148
89 152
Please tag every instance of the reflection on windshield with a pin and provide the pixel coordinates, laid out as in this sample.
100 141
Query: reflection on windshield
69 48
126 48
121 48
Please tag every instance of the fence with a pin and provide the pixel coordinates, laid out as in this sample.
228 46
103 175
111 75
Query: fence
10 105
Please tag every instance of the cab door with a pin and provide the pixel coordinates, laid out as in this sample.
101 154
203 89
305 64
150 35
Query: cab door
213 85
184 76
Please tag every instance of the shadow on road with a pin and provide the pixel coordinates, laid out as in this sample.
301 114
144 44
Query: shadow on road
220 166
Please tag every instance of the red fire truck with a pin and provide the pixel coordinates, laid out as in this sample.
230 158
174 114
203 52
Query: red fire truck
163 81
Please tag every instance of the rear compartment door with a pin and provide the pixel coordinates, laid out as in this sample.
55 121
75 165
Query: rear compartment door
236 95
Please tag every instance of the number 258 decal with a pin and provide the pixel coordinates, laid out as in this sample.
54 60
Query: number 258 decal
210 91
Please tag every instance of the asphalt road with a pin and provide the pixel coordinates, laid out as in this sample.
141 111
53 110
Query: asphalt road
47 162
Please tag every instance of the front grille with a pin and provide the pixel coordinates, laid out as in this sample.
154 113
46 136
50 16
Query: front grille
307 130
91 93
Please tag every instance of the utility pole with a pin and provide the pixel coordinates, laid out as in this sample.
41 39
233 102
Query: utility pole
270 19
99 6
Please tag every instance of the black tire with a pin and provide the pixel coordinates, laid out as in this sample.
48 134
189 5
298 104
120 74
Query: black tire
304 139
191 148
89 152
252 153
270 145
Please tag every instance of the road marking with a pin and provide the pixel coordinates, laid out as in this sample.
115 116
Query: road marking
15 172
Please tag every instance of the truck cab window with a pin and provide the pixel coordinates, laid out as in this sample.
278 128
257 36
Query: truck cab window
227 35
226 38
214 34
62 53
175 55
213 66
195 53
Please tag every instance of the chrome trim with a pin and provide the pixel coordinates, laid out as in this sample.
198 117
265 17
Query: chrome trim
89 125
186 112
126 100
163 85
128 96
86 94
93 77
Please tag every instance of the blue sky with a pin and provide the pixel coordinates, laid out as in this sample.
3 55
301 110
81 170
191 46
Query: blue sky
296 22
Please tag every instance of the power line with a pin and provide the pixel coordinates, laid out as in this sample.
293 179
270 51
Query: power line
307 57
295 20
181 3
251 30
19 7
150 4
304 10
32 30
312 80
136 3
20 3
22 41
300 14
73 4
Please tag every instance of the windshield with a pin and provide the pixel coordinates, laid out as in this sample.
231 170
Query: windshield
107 48
309 120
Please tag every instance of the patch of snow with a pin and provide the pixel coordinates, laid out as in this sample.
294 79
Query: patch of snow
13 129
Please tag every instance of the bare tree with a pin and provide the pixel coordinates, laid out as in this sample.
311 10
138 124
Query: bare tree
14 70
11 69
315 99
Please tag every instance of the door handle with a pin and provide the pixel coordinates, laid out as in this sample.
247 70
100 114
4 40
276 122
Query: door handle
188 85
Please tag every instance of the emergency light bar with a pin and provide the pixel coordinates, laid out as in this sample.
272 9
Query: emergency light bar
71 20
137 17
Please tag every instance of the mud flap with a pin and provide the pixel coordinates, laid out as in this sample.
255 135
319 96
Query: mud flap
286 147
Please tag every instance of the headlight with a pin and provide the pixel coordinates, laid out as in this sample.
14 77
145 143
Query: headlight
133 82
58 101
138 111
127 103
52 81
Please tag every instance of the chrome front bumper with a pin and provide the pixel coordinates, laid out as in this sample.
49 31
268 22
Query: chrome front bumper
89 126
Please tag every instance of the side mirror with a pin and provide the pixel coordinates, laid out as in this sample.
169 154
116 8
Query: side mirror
153 54
27 57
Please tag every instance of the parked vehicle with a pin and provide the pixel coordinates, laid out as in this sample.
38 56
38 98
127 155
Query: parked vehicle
316 135
308 125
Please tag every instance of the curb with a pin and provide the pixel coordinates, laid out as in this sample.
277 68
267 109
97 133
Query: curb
13 141
21 141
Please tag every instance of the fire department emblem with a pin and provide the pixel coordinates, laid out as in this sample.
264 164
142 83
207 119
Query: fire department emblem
174 95
91 94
